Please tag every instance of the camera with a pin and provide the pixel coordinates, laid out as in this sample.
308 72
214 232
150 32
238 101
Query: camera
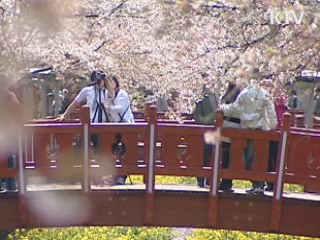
99 76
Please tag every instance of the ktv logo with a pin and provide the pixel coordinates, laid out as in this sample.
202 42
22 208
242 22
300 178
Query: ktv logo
279 17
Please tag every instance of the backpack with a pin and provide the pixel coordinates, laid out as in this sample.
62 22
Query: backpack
205 110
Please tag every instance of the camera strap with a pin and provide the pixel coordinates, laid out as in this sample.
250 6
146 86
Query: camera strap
100 111
122 116
103 108
99 107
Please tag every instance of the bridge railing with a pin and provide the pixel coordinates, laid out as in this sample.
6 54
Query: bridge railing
303 157
178 150
240 139
54 150
157 147
6 172
53 147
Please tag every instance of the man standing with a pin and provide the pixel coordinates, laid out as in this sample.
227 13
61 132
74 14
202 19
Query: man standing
256 110
294 102
317 102
94 95
66 100
205 114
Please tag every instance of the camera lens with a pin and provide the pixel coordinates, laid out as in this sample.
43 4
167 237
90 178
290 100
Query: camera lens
100 76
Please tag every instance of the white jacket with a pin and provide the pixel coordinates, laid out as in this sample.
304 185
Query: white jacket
255 108
118 107
93 96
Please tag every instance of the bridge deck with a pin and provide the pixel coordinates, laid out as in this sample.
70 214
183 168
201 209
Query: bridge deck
61 205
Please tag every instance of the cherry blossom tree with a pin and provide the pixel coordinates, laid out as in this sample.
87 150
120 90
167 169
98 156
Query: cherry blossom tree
162 44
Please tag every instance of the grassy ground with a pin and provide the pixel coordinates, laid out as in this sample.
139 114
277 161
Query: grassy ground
193 181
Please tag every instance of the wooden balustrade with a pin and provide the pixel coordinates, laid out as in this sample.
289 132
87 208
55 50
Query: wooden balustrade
161 147
240 139
59 151
178 150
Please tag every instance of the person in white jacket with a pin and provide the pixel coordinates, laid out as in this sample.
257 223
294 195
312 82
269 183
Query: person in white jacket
256 110
117 105
255 107
117 102
107 102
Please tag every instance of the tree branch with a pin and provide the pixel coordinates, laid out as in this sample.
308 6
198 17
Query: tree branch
117 7
2 9
93 15
209 8
248 44
113 10
102 44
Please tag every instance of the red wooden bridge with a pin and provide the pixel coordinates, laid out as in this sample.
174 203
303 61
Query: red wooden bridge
61 185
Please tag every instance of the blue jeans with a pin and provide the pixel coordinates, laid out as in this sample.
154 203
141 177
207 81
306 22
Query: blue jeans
207 153
249 155
10 183
225 184
249 158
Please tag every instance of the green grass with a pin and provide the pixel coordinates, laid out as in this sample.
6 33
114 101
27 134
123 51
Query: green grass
236 235
143 233
136 179
94 233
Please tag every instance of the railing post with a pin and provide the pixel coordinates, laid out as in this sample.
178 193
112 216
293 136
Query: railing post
277 195
300 121
150 162
146 118
22 188
213 212
22 182
85 120
147 110
292 119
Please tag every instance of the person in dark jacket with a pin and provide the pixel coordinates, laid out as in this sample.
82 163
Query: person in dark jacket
204 114
317 102
231 120
294 102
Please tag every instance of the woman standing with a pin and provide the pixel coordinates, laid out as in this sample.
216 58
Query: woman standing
117 104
